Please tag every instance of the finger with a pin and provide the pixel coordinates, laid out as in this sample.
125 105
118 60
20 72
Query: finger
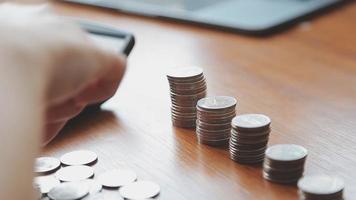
52 130
14 11
77 68
105 87
63 111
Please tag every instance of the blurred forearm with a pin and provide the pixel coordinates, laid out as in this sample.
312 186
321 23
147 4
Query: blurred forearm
20 129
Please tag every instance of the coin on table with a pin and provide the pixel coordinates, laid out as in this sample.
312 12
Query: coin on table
140 190
80 157
69 191
104 195
37 193
286 152
75 173
46 164
217 102
93 185
117 178
321 184
46 183
184 72
284 163
251 121
187 83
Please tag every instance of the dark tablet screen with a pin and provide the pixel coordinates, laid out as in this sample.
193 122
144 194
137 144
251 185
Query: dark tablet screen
110 43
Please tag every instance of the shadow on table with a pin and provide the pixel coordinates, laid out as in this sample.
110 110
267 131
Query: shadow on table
89 124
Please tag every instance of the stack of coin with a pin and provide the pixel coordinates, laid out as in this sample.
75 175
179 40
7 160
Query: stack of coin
249 138
321 187
187 86
284 163
214 115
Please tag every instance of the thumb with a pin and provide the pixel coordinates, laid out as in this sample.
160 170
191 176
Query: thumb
76 68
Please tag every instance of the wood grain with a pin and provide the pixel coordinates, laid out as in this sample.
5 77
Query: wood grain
304 79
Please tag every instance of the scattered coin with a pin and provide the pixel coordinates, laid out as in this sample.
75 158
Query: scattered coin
117 178
46 183
104 195
37 193
187 86
46 164
77 184
93 185
214 115
75 173
249 138
140 190
321 187
284 163
69 191
79 157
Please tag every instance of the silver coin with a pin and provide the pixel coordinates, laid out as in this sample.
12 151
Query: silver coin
184 72
187 98
267 168
46 183
189 88
37 193
289 180
251 134
213 143
187 83
105 195
321 184
219 112
69 191
187 116
80 157
251 121
228 116
75 173
188 92
286 152
117 178
93 185
217 102
140 190
46 164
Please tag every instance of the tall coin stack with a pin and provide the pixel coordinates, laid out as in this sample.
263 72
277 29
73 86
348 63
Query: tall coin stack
187 86
214 119
249 138
284 163
321 187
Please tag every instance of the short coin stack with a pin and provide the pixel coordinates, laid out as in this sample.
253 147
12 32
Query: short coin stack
284 163
187 86
320 187
214 115
249 138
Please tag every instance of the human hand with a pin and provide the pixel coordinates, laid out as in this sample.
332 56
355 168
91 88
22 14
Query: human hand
75 72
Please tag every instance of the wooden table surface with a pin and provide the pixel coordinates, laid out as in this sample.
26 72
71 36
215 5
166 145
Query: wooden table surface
304 79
